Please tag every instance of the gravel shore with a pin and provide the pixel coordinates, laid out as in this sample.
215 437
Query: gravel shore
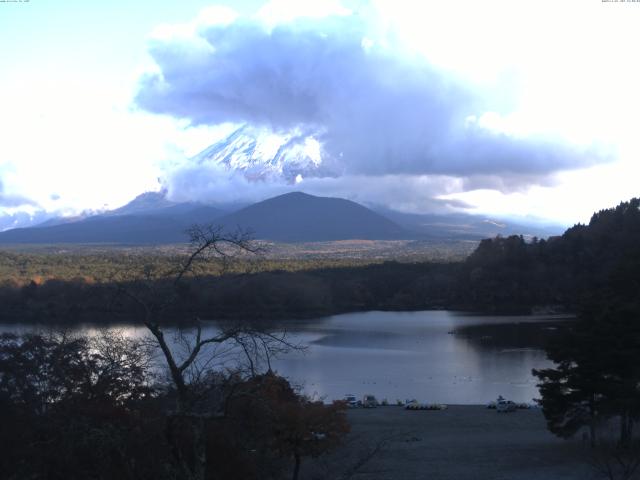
462 442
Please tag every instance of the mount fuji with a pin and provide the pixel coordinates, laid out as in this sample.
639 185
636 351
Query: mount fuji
260 154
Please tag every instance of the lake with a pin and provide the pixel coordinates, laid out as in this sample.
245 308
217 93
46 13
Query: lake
432 356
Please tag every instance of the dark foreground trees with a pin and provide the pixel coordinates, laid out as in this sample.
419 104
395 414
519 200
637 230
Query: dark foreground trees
574 393
89 408
76 408
265 411
597 377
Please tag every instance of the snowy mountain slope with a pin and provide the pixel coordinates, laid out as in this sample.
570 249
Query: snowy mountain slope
262 155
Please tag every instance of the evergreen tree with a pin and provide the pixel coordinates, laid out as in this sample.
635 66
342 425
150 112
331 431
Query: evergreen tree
597 376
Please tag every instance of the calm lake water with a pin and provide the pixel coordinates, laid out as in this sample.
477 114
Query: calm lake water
432 356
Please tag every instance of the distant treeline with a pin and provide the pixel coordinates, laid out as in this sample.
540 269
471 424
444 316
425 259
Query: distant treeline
21 264
503 275
18 268
264 295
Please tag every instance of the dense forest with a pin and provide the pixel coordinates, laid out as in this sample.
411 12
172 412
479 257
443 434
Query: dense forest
562 271
503 275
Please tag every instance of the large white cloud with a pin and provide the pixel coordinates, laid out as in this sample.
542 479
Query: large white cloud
413 193
13 200
380 110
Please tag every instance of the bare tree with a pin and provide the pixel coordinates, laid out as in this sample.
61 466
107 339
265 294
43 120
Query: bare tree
154 292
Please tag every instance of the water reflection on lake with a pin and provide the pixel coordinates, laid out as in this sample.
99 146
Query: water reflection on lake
434 356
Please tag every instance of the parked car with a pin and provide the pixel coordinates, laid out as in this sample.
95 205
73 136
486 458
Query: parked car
369 401
351 400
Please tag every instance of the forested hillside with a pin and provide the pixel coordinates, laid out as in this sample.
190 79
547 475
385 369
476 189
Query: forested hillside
503 275
510 272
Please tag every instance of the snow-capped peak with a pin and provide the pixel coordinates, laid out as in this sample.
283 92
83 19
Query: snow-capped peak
263 155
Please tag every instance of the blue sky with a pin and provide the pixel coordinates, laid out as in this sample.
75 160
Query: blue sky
521 109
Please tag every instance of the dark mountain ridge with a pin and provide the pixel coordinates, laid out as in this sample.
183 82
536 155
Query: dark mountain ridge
148 219
299 217
152 219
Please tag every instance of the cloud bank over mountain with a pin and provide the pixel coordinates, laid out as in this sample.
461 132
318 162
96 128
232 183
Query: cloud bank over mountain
12 200
387 121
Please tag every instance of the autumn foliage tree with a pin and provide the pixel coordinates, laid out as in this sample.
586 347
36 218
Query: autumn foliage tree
71 408
267 428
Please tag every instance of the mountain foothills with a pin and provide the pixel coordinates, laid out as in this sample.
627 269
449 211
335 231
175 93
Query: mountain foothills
504 275
152 219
